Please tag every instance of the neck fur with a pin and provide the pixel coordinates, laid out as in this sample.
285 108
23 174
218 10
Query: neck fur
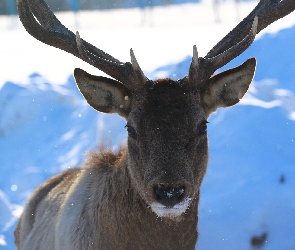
128 222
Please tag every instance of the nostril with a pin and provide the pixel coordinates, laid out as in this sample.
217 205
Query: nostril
169 196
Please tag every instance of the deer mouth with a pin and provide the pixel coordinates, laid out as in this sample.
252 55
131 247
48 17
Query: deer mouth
170 212
169 201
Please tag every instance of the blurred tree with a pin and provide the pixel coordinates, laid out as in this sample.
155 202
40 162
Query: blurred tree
9 6
168 2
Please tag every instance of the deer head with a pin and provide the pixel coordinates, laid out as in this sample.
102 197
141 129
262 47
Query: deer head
166 124
166 119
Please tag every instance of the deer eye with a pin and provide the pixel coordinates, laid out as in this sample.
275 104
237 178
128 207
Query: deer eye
203 128
131 132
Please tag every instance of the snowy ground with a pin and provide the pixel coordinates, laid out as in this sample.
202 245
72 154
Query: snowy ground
45 125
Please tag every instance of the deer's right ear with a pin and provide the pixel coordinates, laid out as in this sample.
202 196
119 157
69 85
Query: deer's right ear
104 94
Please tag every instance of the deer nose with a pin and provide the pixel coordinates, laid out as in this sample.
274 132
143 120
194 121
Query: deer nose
169 195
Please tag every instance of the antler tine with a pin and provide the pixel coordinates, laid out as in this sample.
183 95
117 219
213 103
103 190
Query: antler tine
48 29
103 61
202 68
221 59
136 68
194 67
239 39
267 12
51 25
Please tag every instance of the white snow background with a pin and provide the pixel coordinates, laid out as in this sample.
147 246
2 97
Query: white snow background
46 126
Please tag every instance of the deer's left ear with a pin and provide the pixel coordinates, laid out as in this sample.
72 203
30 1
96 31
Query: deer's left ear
104 94
228 87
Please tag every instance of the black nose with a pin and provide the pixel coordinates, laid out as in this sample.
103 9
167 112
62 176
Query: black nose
169 196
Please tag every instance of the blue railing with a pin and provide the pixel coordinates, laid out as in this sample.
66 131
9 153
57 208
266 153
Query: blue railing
8 7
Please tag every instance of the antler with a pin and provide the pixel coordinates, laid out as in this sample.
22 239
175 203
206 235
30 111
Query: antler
48 29
267 11
42 24
240 38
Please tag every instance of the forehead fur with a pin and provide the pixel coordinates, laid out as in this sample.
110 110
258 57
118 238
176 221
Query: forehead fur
167 94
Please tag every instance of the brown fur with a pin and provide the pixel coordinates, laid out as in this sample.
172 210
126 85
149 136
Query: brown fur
116 209
146 196
123 200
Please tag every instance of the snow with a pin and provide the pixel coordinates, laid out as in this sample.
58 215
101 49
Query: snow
171 212
46 126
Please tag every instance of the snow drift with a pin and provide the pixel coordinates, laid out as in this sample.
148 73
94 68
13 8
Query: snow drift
249 187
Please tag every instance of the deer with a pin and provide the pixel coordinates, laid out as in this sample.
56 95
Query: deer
146 195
